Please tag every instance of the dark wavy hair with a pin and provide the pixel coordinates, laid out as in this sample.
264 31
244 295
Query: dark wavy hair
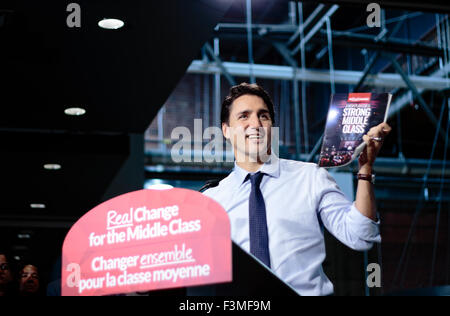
244 89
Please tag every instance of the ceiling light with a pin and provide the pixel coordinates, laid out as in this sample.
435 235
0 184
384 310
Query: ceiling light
157 184
75 111
159 187
23 236
52 166
37 205
111 24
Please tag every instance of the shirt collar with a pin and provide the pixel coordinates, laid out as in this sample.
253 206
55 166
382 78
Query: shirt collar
271 168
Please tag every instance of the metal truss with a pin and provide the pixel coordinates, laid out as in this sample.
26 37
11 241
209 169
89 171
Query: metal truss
384 165
290 39
430 5
340 38
403 100
347 77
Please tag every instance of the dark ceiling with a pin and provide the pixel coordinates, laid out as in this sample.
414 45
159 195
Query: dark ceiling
121 77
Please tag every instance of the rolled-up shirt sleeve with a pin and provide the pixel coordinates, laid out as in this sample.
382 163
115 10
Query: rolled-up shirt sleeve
340 216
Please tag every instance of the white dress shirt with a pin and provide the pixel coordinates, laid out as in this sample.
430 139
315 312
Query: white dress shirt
300 199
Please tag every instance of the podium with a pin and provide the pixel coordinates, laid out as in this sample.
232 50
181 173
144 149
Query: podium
250 278
99 265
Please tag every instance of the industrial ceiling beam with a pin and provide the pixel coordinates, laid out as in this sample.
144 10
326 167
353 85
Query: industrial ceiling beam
284 52
316 28
366 71
374 59
417 95
403 100
396 45
383 165
411 5
308 21
218 61
388 80
340 38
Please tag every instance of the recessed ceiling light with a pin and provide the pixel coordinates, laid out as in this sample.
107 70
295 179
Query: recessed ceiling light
37 205
75 111
23 236
157 184
111 24
52 166
159 187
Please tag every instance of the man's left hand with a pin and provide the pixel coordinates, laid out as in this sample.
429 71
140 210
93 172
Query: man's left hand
374 140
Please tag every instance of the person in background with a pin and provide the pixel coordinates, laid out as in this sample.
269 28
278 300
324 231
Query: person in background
6 275
29 283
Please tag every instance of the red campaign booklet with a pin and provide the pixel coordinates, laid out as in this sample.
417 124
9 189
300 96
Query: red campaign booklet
350 117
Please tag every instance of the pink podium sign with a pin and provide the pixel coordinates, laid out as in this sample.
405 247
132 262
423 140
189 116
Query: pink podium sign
147 240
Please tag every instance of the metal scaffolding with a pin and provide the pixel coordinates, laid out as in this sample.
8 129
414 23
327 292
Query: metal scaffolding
302 37
392 60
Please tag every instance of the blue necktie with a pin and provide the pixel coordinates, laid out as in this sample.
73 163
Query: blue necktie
259 238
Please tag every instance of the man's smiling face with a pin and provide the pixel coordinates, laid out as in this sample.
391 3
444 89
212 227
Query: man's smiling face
249 128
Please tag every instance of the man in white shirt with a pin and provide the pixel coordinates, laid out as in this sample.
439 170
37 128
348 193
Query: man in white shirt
279 214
